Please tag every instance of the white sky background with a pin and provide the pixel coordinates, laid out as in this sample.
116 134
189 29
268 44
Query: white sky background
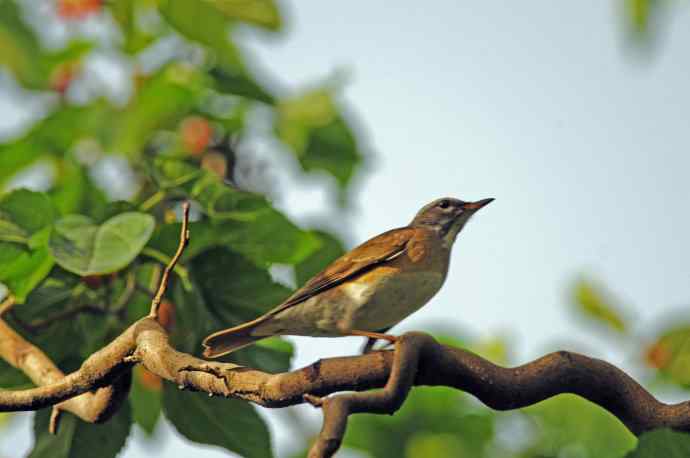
538 105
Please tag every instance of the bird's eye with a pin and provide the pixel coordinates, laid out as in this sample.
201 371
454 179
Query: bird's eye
444 203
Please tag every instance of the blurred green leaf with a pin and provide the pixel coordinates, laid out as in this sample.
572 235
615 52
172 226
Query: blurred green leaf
19 48
638 12
27 211
82 247
670 355
228 423
431 419
78 439
22 269
25 217
186 16
263 13
586 426
161 101
53 136
236 82
662 443
270 238
330 249
271 355
75 191
594 304
234 288
125 14
146 398
240 220
318 135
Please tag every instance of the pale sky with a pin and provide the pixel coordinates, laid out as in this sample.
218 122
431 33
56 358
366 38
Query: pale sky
536 104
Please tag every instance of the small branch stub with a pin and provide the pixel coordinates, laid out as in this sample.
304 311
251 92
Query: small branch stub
184 240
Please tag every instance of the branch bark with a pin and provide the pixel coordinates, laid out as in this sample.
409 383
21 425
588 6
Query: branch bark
416 360
96 407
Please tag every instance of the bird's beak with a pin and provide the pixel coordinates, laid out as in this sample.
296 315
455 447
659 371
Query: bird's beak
477 205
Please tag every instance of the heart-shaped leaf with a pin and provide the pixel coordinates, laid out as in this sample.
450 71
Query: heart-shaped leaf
662 442
78 439
82 247
228 423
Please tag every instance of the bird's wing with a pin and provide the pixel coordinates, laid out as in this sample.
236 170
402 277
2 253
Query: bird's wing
374 252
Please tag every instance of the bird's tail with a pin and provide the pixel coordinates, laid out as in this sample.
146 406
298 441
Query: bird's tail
228 340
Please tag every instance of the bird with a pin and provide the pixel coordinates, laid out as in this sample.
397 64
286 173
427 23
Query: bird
367 290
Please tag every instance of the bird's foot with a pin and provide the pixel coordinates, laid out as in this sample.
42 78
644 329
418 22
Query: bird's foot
316 401
373 335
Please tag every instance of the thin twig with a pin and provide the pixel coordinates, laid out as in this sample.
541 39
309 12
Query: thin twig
184 240
6 305
409 348
37 325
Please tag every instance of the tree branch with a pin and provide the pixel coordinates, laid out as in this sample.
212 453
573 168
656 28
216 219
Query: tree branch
417 360
94 407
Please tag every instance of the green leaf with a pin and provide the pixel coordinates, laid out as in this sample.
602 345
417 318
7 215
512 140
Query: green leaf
318 135
146 399
234 288
159 103
53 135
186 16
125 13
270 238
228 423
330 249
236 82
80 246
240 220
75 192
670 355
22 269
263 13
271 355
594 430
662 443
30 211
78 439
10 232
594 304
25 217
431 419
20 50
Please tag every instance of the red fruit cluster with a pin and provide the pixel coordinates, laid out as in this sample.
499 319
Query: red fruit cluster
196 134
62 76
77 9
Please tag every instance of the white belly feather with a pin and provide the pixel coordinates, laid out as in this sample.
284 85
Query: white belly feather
360 307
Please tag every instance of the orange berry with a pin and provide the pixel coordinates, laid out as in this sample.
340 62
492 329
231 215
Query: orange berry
658 356
62 76
166 314
148 379
196 134
215 163
77 9
93 281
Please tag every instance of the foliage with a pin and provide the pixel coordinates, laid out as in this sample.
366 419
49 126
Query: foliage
85 242
180 135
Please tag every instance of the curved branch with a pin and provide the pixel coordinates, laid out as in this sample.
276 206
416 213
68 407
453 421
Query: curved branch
94 407
417 360
438 365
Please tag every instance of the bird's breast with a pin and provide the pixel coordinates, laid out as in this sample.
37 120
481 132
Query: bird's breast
385 296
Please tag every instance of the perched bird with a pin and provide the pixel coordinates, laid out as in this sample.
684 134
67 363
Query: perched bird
368 289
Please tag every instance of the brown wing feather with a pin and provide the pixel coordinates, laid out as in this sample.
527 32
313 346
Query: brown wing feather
371 253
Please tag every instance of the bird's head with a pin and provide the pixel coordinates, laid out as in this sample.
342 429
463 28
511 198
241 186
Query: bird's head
447 216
